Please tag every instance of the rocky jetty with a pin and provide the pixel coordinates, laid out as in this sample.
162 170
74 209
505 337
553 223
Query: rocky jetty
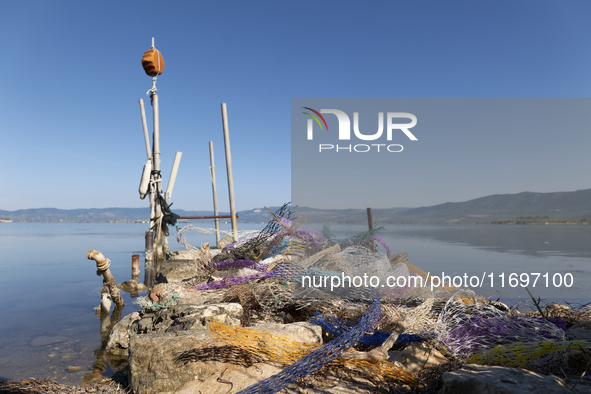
240 320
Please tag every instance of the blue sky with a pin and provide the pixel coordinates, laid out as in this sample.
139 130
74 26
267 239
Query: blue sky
69 116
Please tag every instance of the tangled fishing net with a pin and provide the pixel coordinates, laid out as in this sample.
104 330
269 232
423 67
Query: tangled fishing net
289 272
181 237
527 355
305 359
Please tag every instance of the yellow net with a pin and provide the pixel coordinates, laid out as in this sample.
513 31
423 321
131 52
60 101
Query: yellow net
283 350
517 355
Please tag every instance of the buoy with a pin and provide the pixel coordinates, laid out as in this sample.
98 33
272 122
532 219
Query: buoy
145 182
153 62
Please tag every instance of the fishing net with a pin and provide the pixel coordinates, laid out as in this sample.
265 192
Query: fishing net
181 235
482 333
307 358
463 307
471 325
338 326
266 243
527 355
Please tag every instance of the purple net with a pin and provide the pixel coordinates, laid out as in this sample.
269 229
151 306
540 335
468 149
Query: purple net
220 284
224 265
481 333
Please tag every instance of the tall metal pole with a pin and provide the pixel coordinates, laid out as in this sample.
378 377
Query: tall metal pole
158 179
215 195
229 170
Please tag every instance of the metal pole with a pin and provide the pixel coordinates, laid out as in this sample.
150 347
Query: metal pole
145 125
215 196
102 265
158 180
229 170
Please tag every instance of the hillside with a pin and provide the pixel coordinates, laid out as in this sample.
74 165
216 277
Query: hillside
559 205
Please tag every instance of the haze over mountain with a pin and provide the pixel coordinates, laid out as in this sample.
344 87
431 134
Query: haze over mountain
575 204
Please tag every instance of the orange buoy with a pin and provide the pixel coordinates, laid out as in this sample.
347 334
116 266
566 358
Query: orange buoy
153 62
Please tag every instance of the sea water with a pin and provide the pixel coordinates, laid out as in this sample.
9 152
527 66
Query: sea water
48 289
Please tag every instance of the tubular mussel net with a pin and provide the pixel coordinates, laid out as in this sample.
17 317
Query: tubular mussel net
289 272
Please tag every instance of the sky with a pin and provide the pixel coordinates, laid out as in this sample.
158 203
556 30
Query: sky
70 126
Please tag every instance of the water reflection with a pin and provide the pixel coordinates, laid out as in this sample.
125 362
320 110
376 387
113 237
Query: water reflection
106 326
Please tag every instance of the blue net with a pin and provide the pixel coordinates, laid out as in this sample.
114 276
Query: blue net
321 356
337 326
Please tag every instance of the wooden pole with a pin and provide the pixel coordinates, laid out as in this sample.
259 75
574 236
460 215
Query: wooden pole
369 219
215 196
229 171
149 263
145 127
173 173
370 225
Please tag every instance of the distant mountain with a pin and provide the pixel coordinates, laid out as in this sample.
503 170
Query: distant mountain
575 204
559 205
125 215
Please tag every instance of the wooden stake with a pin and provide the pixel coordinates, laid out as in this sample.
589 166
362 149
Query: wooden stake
215 195
229 170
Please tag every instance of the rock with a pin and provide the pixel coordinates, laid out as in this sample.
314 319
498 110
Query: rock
227 240
73 369
132 286
299 332
175 318
46 340
156 365
119 338
473 379
175 271
417 356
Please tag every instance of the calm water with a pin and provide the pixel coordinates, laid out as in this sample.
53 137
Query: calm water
48 292
48 288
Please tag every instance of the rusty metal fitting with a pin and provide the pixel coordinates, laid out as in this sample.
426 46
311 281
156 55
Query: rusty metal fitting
102 263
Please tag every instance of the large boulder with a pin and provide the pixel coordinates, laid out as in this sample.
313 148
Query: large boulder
191 360
477 379
172 319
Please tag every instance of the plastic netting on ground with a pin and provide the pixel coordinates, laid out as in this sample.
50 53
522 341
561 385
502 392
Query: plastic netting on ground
463 307
470 325
338 326
483 333
520 355
261 246
307 358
